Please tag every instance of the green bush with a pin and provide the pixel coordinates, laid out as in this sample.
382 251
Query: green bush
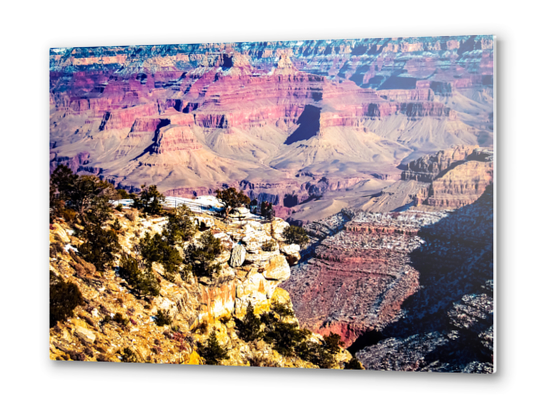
269 246
88 196
100 246
116 225
128 356
289 340
201 327
231 198
123 194
64 297
295 235
321 354
353 364
201 256
333 343
157 249
180 227
143 282
163 318
284 337
282 310
212 352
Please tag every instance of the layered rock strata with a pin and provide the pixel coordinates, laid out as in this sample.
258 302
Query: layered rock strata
448 324
450 178
360 276
192 118
406 291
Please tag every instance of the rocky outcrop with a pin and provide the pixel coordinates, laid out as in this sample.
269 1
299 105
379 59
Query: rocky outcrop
238 254
429 167
450 178
460 186
113 318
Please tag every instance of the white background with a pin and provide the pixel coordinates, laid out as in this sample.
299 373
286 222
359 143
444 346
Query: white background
29 29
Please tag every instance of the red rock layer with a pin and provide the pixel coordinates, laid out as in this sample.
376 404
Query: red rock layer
358 278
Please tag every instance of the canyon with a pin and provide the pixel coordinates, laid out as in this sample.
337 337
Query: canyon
409 290
310 126
382 149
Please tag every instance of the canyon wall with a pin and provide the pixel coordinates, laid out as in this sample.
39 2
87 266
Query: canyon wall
194 117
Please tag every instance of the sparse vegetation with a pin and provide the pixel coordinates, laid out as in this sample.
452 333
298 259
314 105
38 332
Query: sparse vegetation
353 364
201 327
116 225
143 282
157 249
288 338
180 227
269 246
100 246
248 328
231 198
295 235
163 318
84 197
128 356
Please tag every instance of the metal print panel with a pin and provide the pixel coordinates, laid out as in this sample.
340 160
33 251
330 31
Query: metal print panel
313 204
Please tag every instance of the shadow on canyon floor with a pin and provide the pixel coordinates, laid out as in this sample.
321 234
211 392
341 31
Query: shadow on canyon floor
447 325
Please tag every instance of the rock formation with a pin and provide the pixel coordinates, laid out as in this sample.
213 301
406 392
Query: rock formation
358 277
450 178
113 319
274 118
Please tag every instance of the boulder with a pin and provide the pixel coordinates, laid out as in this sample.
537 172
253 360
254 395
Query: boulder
292 253
238 255
276 268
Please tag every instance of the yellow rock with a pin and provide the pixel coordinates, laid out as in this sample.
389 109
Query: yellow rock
282 296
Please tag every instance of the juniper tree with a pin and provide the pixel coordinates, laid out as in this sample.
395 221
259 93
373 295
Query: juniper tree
142 281
249 326
231 198
200 256
64 297
149 200
99 246
157 249
213 352
180 226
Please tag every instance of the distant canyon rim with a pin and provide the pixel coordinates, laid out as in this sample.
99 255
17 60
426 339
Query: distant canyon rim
311 126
